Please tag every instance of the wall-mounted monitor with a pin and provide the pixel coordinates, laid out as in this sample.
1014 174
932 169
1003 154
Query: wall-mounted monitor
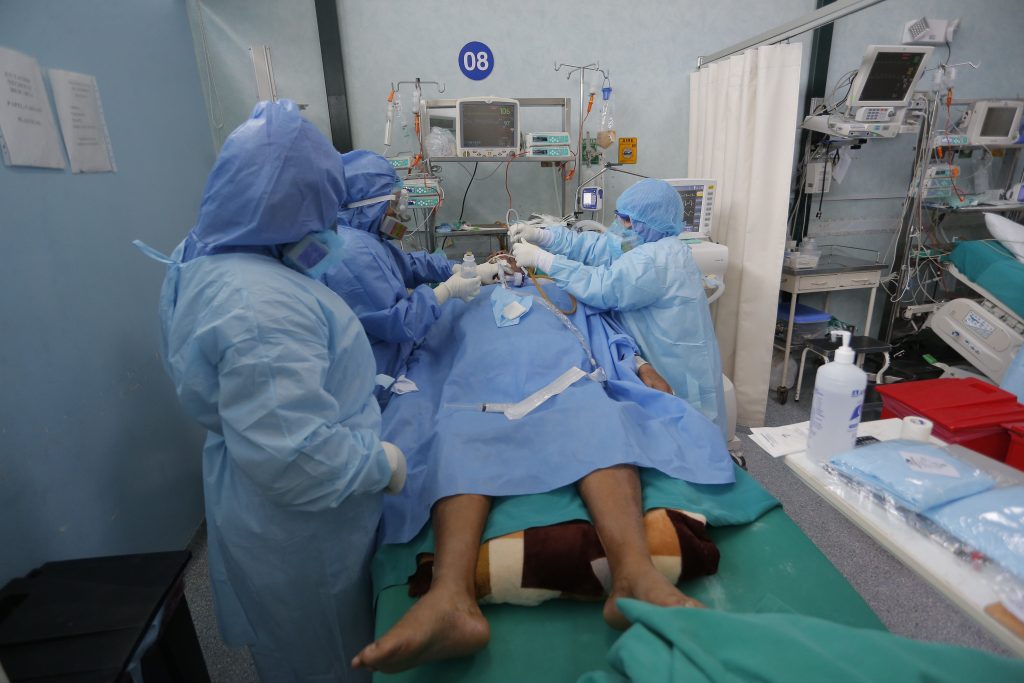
486 127
995 122
888 74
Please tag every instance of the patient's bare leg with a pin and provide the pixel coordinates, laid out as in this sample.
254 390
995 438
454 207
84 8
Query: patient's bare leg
613 498
446 622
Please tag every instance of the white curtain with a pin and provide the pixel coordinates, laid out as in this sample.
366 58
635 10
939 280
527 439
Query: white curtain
743 124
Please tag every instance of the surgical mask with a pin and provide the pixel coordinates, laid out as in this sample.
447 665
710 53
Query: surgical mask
315 254
647 234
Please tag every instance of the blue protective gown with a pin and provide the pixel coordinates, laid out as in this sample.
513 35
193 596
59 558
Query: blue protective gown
377 276
656 292
375 279
292 473
277 369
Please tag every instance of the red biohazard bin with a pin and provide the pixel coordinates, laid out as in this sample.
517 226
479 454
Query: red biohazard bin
966 411
1015 453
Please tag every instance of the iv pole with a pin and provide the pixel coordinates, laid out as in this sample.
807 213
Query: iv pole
573 68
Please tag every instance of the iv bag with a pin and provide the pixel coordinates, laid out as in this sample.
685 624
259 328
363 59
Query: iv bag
606 133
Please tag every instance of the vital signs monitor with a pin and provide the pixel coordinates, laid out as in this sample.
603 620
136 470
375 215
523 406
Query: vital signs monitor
888 74
698 197
486 127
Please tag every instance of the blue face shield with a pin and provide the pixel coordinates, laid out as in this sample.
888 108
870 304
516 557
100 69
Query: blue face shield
628 236
315 254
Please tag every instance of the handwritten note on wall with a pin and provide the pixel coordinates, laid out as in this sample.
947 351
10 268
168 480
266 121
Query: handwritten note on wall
81 122
29 134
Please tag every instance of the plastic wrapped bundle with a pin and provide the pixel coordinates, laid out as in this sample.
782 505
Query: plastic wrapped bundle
991 522
917 476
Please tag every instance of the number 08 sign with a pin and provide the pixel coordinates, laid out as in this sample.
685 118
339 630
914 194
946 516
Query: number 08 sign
476 60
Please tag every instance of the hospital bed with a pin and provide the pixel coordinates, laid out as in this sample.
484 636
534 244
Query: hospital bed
989 331
766 563
767 566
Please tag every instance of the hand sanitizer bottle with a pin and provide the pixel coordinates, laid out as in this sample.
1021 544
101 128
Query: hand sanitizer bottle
836 408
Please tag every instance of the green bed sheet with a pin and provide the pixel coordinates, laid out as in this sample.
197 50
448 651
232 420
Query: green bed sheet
712 646
990 265
767 566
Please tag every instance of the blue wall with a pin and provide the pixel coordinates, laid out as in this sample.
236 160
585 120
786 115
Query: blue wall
95 455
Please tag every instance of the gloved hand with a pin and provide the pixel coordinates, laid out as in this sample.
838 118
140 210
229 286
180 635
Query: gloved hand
520 232
531 256
488 273
464 288
396 460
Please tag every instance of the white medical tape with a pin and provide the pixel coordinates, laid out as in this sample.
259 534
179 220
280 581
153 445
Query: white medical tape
916 428
517 411
403 385
371 200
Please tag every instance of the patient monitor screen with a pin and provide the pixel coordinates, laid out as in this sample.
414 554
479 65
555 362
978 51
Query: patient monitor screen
693 203
891 76
484 124
998 122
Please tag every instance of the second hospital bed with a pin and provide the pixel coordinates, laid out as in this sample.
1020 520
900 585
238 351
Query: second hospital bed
989 331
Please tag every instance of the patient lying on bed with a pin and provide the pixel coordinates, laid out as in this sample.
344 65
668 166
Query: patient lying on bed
593 433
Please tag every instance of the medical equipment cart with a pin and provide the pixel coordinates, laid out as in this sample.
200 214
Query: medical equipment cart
563 103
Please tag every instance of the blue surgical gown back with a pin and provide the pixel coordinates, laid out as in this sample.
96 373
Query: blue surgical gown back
375 279
276 367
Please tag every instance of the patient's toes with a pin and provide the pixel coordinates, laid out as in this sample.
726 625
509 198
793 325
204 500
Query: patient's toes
434 628
647 586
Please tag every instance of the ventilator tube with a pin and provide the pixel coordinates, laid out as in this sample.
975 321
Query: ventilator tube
836 408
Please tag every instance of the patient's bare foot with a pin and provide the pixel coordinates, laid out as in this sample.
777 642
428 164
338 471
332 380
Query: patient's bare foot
444 623
647 584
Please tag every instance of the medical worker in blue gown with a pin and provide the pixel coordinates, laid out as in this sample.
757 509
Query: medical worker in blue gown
388 288
278 370
649 279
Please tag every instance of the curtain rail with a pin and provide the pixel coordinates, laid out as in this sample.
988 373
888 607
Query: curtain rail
808 22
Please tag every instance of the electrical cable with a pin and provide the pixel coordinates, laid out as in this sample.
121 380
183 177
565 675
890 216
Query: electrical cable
466 194
508 165
824 177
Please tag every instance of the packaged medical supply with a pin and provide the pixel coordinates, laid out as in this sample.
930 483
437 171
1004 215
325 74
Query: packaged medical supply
991 522
917 476
836 408
440 142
